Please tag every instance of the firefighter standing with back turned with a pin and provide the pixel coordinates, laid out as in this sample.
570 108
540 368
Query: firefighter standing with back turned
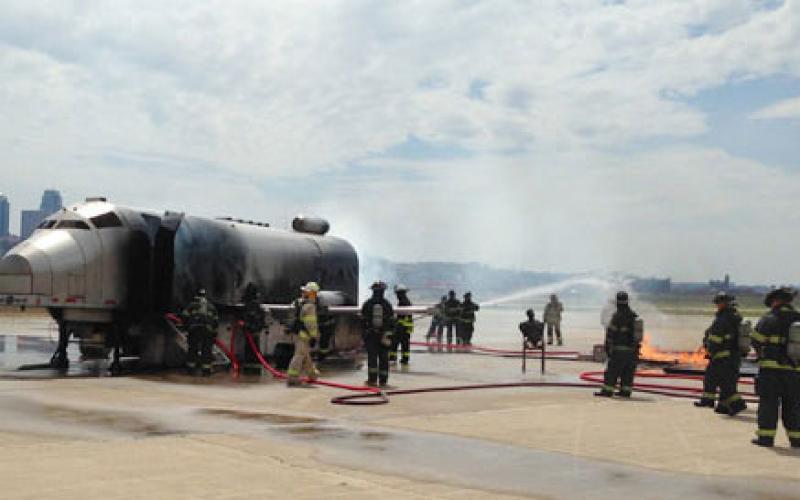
722 345
622 348
403 329
254 319
777 344
200 317
378 317
306 330
467 320
452 313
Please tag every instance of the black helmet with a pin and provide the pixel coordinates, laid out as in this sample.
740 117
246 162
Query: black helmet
468 295
530 313
378 285
622 297
723 298
784 293
451 293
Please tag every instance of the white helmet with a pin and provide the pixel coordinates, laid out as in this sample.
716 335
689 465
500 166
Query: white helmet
311 287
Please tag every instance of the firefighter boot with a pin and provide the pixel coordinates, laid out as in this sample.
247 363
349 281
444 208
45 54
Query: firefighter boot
764 441
736 407
704 403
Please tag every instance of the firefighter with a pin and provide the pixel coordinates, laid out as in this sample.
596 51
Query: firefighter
622 348
778 383
467 319
437 324
532 330
200 318
306 331
254 319
452 314
378 320
327 330
721 342
403 329
552 318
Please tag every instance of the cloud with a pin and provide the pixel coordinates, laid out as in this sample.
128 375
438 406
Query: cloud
541 134
786 109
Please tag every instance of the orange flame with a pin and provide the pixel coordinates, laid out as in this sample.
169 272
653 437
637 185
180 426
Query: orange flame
649 352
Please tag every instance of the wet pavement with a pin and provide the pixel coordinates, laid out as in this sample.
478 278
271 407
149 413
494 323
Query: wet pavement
174 404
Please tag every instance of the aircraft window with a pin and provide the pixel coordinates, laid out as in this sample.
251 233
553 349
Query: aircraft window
46 224
108 219
72 224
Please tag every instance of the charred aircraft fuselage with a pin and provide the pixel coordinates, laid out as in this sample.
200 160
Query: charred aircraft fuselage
105 271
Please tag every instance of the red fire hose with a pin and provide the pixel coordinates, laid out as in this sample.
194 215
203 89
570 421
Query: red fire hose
280 375
594 378
505 352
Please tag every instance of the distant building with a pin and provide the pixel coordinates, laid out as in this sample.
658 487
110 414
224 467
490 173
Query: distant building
50 204
29 219
725 285
7 242
652 285
4 215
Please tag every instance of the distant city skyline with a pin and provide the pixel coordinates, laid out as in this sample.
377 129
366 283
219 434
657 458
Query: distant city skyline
51 202
4 216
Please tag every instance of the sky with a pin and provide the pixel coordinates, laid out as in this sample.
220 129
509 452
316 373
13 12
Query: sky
656 138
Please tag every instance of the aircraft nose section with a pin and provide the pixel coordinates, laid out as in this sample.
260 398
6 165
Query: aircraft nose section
25 273
16 275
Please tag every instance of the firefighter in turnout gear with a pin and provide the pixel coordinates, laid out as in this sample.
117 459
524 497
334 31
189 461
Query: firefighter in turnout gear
552 318
403 329
306 331
778 384
254 319
327 330
622 347
437 324
452 315
200 318
378 321
467 320
532 330
722 345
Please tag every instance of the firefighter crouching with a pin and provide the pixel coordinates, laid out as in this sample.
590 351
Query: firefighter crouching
200 318
306 330
378 317
403 329
623 341
723 347
776 340
532 331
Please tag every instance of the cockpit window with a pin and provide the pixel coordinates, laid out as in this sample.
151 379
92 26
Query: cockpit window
108 219
46 224
72 224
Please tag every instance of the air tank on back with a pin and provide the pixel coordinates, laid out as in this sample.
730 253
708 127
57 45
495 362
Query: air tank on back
225 255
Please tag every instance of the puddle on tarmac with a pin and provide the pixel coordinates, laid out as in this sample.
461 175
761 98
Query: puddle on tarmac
124 423
496 467
272 418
